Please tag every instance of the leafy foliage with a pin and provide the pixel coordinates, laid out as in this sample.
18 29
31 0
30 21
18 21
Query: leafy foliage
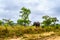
1 22
24 16
49 20
8 22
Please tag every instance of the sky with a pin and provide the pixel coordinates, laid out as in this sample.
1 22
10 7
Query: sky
9 9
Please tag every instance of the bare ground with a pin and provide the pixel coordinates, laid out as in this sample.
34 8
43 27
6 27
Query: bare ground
43 36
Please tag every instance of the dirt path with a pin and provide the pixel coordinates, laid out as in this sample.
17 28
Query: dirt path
52 38
37 36
48 38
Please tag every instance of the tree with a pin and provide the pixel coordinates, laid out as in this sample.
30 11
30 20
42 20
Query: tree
24 20
19 21
46 21
46 17
1 22
49 20
8 22
54 20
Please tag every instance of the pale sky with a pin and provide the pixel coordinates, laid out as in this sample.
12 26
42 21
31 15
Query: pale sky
10 8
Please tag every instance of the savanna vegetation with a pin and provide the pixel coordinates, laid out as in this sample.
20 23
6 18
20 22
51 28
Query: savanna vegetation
10 29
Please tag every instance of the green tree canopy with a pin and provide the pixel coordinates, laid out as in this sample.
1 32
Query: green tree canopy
24 14
8 21
49 20
1 22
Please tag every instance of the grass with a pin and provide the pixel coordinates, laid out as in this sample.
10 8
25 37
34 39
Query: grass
18 30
